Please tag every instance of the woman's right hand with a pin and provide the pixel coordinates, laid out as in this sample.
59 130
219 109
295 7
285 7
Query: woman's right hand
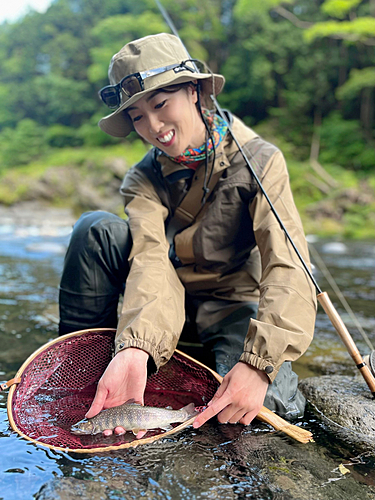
124 378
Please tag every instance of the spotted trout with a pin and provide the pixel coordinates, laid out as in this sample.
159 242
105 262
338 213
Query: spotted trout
134 417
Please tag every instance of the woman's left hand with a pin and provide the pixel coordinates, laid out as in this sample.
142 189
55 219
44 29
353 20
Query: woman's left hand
239 398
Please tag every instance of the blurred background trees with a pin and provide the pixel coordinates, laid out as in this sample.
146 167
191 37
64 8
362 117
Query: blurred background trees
304 67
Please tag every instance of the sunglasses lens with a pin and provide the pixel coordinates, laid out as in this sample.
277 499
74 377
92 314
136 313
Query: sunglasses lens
131 86
110 97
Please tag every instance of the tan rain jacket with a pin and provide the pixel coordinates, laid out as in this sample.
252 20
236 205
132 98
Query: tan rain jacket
218 253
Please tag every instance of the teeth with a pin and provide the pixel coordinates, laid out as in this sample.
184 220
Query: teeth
166 138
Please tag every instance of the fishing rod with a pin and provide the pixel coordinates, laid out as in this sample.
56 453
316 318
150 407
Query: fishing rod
322 297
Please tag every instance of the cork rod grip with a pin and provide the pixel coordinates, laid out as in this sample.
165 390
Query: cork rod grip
345 336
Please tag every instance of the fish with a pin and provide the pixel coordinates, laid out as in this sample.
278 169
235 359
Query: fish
133 417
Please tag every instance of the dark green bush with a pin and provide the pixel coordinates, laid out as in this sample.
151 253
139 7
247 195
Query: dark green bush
60 136
23 144
343 143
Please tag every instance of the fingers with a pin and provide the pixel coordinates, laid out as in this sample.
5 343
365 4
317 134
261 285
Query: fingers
140 434
218 394
215 407
248 418
119 431
236 417
217 403
98 402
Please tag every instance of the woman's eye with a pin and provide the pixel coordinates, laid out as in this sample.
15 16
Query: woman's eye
136 118
160 105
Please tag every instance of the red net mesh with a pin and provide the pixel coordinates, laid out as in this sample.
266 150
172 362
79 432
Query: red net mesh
58 385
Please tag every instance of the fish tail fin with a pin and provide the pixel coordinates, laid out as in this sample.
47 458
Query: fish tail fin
190 410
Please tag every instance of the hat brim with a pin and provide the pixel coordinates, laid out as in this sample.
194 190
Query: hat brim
118 123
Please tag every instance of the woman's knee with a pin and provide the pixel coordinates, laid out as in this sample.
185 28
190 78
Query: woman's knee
100 231
98 251
100 223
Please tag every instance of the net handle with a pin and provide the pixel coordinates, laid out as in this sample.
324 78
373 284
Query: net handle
264 415
9 383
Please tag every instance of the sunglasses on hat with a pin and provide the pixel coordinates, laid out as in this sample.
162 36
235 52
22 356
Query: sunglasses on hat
134 83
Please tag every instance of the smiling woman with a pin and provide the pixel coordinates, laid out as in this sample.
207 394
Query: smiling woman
200 249
168 119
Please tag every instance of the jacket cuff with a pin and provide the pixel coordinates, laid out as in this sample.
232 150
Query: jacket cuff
261 364
120 345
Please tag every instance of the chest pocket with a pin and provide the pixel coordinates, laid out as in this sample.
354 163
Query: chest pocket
225 234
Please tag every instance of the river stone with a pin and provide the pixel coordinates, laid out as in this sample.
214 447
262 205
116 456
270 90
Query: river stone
67 488
345 404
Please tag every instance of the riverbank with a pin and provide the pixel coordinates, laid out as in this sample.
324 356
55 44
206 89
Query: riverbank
338 203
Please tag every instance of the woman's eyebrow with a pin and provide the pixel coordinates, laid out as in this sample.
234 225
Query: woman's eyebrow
148 98
152 95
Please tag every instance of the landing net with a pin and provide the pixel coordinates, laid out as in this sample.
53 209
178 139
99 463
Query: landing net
58 383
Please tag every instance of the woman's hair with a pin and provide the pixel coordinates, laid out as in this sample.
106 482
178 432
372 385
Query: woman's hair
203 99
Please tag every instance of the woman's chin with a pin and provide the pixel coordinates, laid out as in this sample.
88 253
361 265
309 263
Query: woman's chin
170 151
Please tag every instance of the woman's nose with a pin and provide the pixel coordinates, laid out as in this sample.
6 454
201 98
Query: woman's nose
154 123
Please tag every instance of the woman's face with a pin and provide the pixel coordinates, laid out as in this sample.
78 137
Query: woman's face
169 120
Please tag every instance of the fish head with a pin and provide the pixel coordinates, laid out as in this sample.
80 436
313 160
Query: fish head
83 427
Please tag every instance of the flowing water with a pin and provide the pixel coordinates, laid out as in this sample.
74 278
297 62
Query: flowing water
216 461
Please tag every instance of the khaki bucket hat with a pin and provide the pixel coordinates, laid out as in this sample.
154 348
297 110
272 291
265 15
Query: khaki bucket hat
147 54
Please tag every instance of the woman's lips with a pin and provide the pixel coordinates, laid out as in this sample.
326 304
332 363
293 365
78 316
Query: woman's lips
167 139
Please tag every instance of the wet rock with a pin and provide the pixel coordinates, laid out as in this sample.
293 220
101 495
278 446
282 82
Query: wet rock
345 404
341 202
66 488
88 187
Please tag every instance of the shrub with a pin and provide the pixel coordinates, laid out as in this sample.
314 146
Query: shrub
23 144
343 143
60 136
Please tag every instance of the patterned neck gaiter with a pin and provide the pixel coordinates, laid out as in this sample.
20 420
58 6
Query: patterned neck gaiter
191 156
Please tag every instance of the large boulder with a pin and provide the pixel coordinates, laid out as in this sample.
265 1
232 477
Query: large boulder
346 406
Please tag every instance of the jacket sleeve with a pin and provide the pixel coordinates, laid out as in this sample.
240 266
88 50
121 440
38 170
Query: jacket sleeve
152 315
285 322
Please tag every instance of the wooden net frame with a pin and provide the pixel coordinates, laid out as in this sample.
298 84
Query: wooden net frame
54 388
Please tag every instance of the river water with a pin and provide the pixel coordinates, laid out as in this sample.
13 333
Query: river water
216 461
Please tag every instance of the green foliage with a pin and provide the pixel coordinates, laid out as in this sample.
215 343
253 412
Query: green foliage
8 112
288 64
343 143
358 30
91 135
23 144
339 8
55 99
358 80
113 33
60 136
249 8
